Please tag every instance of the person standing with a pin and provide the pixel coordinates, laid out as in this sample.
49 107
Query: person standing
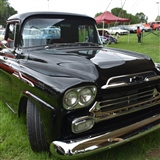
139 34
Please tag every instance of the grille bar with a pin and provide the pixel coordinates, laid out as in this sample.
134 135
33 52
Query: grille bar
126 99
113 109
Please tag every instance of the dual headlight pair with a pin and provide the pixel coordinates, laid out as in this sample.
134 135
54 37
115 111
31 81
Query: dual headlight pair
79 97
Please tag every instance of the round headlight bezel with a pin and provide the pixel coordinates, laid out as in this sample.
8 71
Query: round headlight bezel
70 97
85 96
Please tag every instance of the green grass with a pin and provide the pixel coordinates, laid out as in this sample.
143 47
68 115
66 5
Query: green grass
14 143
150 44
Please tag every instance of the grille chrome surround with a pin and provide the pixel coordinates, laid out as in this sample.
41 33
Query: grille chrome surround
107 109
131 79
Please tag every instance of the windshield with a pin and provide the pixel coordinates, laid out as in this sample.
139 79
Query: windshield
46 31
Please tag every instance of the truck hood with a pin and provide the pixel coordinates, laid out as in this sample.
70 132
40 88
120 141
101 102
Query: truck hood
86 64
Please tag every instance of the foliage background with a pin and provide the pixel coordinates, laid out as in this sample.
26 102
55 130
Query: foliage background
5 11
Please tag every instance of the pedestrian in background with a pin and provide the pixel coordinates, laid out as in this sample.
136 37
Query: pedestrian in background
139 34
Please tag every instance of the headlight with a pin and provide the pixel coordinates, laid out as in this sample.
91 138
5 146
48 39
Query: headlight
82 124
79 97
85 95
70 98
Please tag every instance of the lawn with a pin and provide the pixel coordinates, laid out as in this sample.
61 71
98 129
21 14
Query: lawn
150 44
14 143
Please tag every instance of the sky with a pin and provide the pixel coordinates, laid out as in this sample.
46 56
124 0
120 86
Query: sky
151 8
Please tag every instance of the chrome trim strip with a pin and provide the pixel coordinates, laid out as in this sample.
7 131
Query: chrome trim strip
10 108
38 99
91 145
20 76
144 78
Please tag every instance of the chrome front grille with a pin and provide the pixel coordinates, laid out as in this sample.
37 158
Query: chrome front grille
124 105
122 102
143 94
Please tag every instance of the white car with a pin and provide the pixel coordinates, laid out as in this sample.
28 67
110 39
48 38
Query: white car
145 28
117 31
142 28
2 31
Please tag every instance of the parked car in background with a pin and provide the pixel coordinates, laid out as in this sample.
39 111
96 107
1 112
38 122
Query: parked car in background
142 27
155 25
51 33
31 35
117 31
106 37
146 28
134 28
78 97
103 39
127 27
2 32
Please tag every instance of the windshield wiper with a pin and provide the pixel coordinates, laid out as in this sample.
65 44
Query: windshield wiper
86 44
72 44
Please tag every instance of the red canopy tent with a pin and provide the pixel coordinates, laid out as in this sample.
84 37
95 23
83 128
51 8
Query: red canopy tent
108 17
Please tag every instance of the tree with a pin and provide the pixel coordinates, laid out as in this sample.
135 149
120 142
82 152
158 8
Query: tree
98 14
119 12
141 17
5 11
158 18
134 19
138 18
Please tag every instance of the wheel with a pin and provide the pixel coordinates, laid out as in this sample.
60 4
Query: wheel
35 129
117 34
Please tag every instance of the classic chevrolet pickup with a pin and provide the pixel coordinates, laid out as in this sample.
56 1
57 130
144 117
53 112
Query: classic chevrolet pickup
79 97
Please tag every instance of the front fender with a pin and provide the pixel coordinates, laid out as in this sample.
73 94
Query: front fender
47 114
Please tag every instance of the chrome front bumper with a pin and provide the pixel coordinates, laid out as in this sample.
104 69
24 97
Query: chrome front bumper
79 148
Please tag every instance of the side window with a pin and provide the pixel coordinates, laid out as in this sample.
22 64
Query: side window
86 33
82 33
11 33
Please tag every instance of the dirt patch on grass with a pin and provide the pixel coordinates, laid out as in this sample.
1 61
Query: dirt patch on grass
153 154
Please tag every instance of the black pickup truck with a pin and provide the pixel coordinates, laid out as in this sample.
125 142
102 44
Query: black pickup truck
79 97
